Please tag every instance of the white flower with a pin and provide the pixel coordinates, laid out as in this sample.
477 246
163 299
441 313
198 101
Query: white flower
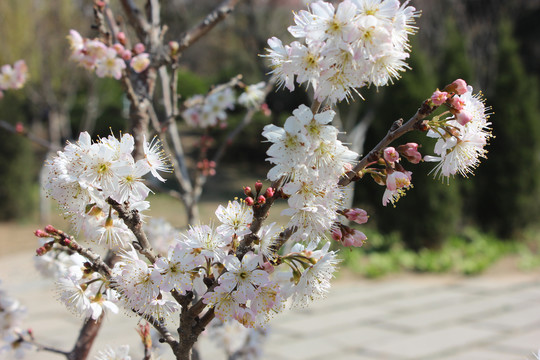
155 158
236 219
315 280
461 152
253 95
211 243
110 65
175 270
243 276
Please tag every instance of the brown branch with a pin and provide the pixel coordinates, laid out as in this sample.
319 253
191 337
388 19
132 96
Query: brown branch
136 19
46 144
207 24
133 221
260 213
86 338
398 129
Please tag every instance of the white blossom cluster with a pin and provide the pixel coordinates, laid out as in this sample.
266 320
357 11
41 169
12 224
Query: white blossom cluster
211 110
83 175
106 61
12 314
13 77
249 291
460 147
205 111
340 49
308 154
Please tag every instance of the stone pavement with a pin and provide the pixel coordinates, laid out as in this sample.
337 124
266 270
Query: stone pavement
408 317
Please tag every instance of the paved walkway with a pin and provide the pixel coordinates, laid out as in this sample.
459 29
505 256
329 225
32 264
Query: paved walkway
414 317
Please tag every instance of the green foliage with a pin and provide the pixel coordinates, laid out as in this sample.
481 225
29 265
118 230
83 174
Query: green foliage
17 163
469 253
508 186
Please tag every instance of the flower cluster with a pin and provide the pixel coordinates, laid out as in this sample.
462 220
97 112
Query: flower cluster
12 314
13 77
361 42
86 173
307 153
205 111
211 110
107 61
462 133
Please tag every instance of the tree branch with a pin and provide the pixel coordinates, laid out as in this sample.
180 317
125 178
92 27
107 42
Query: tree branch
133 221
396 131
207 24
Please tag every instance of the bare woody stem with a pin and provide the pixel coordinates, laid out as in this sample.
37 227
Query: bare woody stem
397 130
133 221
207 24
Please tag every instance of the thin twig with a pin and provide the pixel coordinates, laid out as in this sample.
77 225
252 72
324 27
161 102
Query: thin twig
398 129
207 24
46 144
133 221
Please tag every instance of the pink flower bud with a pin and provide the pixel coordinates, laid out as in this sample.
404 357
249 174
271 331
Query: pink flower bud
119 48
337 234
41 233
459 86
439 97
269 193
269 268
410 152
139 48
354 238
126 55
261 199
40 251
258 186
463 117
249 201
50 229
266 110
174 46
121 36
19 128
359 216
247 191
457 103
391 155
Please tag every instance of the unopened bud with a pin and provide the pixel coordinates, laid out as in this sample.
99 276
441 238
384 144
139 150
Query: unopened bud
459 87
119 48
126 55
19 128
249 201
40 251
261 199
258 186
50 229
247 191
359 216
41 233
174 46
121 36
391 155
139 48
269 193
